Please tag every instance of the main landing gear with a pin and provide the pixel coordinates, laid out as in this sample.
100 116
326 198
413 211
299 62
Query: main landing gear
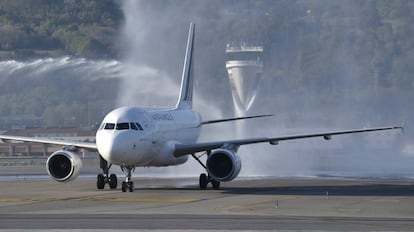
204 178
104 177
128 184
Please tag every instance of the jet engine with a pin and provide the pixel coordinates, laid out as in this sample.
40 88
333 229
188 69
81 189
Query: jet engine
63 166
223 165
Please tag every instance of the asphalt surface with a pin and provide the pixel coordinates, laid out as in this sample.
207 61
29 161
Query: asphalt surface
269 204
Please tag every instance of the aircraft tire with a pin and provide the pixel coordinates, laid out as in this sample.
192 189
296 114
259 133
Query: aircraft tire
100 182
113 181
127 186
216 184
131 186
124 186
203 181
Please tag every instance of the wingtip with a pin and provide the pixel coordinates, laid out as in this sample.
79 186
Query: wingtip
401 127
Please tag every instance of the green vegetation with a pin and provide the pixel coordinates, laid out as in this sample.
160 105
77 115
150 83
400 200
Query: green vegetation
54 27
55 101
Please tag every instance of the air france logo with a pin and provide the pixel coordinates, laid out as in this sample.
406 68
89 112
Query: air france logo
162 117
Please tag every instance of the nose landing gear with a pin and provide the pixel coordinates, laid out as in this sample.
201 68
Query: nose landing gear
128 184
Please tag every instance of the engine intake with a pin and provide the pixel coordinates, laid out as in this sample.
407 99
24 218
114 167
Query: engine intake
63 166
223 165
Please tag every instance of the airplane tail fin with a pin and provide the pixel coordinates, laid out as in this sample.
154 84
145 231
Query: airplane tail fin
185 100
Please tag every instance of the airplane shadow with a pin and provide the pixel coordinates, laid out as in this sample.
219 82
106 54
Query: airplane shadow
332 190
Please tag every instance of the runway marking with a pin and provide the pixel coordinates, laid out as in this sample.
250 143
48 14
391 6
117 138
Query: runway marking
248 206
140 199
125 230
110 199
348 209
3 200
387 200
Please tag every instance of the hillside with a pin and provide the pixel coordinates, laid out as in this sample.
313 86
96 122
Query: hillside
320 56
36 28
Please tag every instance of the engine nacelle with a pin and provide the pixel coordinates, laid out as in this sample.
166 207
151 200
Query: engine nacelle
63 166
223 165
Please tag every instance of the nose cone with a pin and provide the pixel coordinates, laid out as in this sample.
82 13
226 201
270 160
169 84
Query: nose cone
112 147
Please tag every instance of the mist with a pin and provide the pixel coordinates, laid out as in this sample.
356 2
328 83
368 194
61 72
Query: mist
44 68
61 91
154 37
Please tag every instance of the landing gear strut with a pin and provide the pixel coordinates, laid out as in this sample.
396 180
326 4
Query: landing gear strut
128 184
104 177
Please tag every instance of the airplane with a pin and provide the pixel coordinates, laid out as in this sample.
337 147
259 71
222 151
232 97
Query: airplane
133 137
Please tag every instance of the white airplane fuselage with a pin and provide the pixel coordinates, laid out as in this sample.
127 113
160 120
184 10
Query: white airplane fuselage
144 137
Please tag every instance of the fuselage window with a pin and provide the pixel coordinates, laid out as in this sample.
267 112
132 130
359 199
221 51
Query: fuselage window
122 126
109 126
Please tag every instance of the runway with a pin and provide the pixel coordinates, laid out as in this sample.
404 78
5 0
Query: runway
285 204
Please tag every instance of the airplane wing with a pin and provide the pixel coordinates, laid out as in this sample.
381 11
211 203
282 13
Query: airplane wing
86 145
186 149
235 119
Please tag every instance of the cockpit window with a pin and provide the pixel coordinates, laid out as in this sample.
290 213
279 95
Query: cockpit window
122 126
136 126
139 126
109 126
